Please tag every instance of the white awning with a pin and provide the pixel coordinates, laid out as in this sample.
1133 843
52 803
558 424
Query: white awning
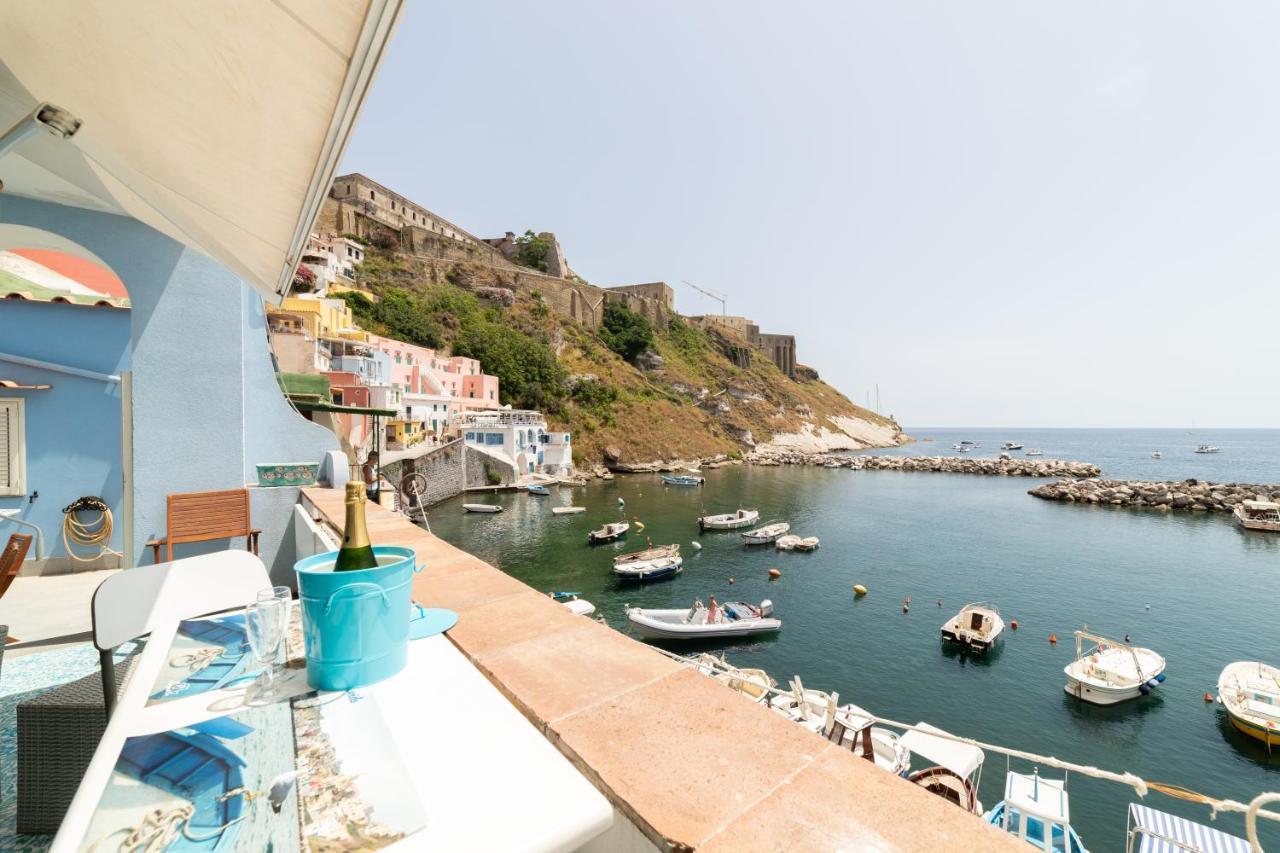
1161 832
219 124
960 758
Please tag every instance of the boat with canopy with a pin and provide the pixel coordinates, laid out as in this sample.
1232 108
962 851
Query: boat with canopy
956 770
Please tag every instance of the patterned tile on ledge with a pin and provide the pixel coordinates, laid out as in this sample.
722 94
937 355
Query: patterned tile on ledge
21 678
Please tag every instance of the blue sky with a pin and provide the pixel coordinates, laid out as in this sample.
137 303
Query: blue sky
1003 213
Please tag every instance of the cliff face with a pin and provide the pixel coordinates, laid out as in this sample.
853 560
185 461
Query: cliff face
688 393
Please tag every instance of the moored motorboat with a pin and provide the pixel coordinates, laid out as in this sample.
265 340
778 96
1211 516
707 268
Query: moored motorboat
956 770
1156 454
848 725
1207 448
765 534
655 552
1035 452
609 532
736 619
1250 692
729 520
1111 672
976 627
755 684
539 490
1037 811
482 507
567 510
791 542
1011 445
1258 515
682 480
648 570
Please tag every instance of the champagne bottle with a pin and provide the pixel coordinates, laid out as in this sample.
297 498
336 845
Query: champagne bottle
356 553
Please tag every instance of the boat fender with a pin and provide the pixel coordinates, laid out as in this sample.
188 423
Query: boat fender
1160 678
766 607
1013 623
1144 689
1153 684
774 574
697 546
1053 639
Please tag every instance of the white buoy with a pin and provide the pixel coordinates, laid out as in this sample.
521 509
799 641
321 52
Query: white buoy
697 546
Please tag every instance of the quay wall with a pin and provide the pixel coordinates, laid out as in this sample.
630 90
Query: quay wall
1034 467
1192 495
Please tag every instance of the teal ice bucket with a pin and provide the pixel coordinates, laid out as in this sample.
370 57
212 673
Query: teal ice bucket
356 624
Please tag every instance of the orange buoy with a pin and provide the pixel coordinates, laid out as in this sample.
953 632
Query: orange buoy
1013 623
1053 638
1208 697
774 574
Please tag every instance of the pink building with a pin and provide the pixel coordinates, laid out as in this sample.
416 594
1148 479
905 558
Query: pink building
436 388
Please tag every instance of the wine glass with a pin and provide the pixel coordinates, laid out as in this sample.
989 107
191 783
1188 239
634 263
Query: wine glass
285 596
264 626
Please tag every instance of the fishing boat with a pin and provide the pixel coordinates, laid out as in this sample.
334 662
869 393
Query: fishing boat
1156 454
682 480
1258 515
609 532
848 725
729 520
539 490
208 654
765 534
735 619
1110 672
1207 448
755 684
649 570
1250 693
482 507
567 510
1037 811
1011 445
791 542
187 770
956 770
964 445
976 627
1154 831
652 553
1035 452
808 543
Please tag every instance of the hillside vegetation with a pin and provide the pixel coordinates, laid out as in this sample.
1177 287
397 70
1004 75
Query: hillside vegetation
692 402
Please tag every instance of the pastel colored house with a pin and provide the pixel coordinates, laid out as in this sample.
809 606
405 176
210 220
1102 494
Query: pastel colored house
519 438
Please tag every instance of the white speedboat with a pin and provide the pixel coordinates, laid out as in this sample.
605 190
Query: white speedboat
1156 454
1011 445
765 534
976 627
735 619
648 570
609 532
1037 811
729 520
1109 672
567 510
1250 693
1035 452
1258 515
1207 448
482 507
956 767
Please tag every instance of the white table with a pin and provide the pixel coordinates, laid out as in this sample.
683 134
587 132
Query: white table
486 777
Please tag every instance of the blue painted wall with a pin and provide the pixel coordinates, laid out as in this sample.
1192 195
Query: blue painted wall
73 429
206 405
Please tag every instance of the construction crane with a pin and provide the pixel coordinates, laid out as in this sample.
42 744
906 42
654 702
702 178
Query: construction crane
719 297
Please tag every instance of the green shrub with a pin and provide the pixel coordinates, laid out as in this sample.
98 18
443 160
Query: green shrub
531 251
625 332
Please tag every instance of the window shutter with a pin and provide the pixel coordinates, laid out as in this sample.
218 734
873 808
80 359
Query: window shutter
12 448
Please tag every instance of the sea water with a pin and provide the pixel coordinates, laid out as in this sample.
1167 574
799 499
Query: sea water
1194 587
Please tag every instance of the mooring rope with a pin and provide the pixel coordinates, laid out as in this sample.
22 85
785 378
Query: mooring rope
1252 810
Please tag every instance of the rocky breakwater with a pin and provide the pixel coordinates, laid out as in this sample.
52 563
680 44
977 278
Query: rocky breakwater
938 464
1195 495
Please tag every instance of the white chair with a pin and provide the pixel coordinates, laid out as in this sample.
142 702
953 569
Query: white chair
127 605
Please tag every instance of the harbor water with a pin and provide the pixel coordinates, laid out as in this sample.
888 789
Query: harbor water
1194 587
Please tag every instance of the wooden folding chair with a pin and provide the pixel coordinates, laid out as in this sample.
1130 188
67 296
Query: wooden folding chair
11 560
205 516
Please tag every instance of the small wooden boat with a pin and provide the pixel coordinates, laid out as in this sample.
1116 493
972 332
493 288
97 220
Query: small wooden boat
539 490
567 510
654 553
1258 515
957 766
976 627
729 520
1036 810
765 534
735 619
808 543
848 725
682 480
1250 693
609 532
1112 672
482 507
755 684
649 570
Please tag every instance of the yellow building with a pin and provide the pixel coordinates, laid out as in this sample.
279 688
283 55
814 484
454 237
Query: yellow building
402 433
322 318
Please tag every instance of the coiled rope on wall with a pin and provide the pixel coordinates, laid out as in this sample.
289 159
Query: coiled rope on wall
95 533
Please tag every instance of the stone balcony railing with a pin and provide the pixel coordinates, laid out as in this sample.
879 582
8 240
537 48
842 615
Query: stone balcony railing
689 762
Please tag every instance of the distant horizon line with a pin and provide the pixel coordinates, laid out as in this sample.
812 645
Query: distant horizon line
1187 430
